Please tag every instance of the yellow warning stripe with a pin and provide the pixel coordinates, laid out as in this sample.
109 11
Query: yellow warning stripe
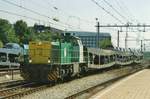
49 77
52 75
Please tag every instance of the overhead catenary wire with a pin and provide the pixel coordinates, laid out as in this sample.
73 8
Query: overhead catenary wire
41 5
43 15
53 8
68 14
35 12
128 12
123 10
131 15
35 19
16 14
111 6
27 9
108 12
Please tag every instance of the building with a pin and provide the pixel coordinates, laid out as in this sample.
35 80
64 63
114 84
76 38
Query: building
89 39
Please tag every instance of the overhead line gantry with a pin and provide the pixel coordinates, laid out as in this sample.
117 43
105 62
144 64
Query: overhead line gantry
128 25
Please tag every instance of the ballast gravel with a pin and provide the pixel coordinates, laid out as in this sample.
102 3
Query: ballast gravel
7 78
63 90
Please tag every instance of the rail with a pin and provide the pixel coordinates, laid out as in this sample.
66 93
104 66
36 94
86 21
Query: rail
99 87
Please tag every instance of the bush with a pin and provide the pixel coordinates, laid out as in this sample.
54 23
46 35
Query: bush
105 43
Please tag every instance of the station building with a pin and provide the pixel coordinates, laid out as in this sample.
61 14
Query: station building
89 39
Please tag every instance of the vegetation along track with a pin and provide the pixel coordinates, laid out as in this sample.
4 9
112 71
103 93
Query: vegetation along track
94 89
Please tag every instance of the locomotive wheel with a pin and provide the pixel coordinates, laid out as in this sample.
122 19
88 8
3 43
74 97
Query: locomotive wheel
83 70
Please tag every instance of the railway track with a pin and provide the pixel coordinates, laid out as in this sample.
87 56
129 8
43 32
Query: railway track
9 73
8 69
10 83
87 93
21 89
18 89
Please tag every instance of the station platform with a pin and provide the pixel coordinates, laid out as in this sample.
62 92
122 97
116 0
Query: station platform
136 86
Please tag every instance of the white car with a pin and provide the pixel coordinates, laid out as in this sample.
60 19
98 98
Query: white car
15 47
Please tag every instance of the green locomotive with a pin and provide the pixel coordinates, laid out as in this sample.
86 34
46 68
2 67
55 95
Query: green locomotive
66 57
50 61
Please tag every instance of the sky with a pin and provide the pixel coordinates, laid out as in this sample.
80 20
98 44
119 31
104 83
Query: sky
79 15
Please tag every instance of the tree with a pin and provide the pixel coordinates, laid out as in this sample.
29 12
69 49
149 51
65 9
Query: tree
22 31
11 36
1 44
6 30
44 36
105 43
41 32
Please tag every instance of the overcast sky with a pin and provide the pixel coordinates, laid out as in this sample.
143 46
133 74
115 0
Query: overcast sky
80 15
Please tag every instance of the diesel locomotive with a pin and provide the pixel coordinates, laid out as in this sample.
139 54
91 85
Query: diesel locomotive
67 57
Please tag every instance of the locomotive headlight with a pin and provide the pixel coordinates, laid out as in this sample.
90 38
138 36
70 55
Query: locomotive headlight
30 61
40 43
49 61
